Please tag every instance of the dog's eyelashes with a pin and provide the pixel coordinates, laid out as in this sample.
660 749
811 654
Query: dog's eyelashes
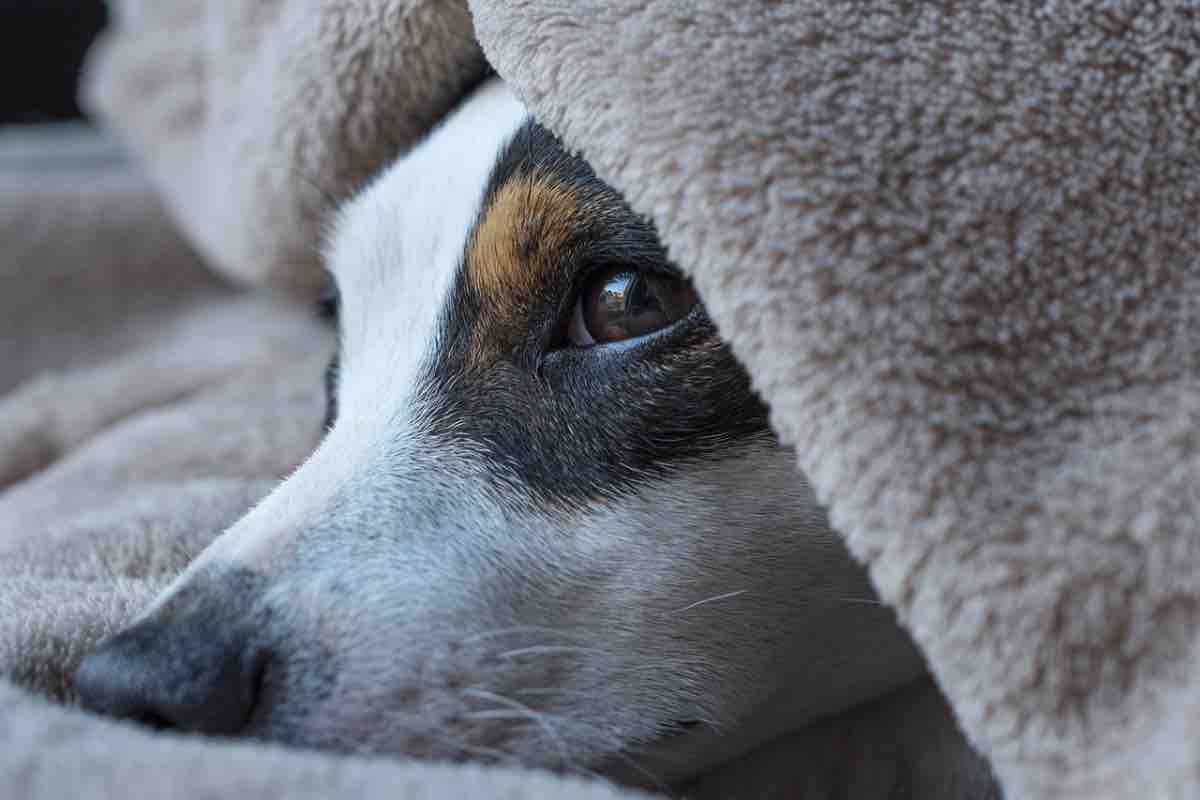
619 303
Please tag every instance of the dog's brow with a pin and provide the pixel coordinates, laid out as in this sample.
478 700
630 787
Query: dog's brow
526 226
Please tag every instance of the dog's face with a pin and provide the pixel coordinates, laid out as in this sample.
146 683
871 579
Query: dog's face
549 523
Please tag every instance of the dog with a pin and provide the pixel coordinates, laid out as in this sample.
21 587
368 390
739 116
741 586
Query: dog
549 523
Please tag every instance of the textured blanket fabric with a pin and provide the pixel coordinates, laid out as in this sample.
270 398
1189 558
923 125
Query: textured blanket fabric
251 116
51 753
955 244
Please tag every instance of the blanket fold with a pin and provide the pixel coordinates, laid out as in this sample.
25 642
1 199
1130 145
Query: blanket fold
953 243
254 118
52 753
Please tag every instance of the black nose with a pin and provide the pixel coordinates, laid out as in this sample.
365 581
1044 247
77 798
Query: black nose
191 674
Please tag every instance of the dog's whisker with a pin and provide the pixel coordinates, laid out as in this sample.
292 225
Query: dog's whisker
497 755
504 713
621 752
496 713
618 752
600 733
526 713
553 649
460 743
628 760
713 599
517 629
550 691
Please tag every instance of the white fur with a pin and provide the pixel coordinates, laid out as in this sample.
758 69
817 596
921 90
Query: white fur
394 253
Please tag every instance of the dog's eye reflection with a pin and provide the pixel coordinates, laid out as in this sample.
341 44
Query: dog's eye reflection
620 303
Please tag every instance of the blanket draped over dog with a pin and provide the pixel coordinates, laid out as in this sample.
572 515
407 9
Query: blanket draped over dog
956 245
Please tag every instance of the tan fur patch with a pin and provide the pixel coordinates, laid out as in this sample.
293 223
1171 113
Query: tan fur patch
529 221
525 233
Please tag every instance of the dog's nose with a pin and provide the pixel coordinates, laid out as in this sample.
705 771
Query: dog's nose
193 675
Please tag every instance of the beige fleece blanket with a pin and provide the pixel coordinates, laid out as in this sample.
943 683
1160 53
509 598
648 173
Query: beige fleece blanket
954 243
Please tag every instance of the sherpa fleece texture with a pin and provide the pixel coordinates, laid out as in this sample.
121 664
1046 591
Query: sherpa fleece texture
955 244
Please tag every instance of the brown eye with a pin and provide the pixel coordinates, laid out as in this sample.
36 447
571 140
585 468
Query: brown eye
620 303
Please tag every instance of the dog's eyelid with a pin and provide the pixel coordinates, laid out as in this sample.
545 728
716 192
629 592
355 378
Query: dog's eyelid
632 257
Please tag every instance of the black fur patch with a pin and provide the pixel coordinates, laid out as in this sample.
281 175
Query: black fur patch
574 424
328 308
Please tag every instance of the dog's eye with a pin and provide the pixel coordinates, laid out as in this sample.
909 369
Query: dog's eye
329 301
621 303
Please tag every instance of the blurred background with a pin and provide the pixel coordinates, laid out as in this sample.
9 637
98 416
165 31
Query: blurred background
42 45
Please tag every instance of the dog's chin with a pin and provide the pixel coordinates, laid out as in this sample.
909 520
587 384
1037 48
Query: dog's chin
681 749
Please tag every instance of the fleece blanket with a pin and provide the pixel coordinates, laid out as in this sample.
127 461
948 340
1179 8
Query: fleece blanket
953 243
